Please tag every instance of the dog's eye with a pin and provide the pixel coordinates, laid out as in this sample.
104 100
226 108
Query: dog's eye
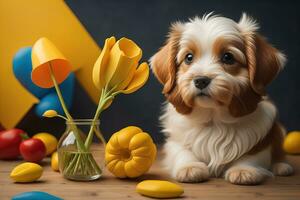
188 58
227 58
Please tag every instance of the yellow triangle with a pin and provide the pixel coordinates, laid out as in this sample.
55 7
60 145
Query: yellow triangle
21 24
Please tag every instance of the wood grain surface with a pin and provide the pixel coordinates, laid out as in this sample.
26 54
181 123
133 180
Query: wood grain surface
109 187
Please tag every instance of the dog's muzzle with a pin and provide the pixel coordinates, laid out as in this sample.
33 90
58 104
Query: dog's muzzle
202 82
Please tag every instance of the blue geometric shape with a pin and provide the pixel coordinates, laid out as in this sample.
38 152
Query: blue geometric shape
51 100
22 67
35 195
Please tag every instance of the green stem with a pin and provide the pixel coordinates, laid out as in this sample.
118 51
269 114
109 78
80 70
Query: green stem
105 97
89 138
103 100
60 116
63 104
77 163
116 93
61 99
71 163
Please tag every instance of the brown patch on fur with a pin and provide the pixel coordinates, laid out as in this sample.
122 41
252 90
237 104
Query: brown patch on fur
221 46
263 62
165 68
221 93
244 103
183 68
274 138
234 70
189 47
263 66
176 99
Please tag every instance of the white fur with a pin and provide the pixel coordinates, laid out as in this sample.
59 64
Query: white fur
205 31
213 137
250 169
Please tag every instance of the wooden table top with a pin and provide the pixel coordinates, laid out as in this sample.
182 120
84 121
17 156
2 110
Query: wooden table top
109 187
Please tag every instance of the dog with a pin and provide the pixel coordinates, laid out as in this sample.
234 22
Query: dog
217 119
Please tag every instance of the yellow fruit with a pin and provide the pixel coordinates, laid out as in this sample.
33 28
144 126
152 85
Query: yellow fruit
130 152
49 140
159 189
292 143
26 172
54 161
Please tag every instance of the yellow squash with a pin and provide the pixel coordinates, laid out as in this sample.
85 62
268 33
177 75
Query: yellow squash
26 172
159 189
130 152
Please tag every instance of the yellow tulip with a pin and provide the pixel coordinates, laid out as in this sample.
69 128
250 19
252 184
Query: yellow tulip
117 66
117 70
50 113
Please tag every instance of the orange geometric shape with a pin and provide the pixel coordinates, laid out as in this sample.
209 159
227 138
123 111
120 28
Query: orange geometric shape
45 55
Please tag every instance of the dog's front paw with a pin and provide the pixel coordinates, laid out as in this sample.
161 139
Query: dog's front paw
245 175
192 173
282 169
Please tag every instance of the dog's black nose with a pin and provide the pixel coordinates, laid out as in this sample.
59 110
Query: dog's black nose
202 82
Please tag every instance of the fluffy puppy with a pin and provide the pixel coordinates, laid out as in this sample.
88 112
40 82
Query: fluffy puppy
217 119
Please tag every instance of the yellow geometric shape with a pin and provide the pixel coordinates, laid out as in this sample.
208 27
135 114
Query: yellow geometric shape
22 24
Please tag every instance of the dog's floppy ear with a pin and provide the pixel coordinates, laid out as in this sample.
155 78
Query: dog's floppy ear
163 63
264 61
164 66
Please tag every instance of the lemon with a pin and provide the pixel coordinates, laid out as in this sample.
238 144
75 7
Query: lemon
292 143
26 172
54 161
159 189
49 140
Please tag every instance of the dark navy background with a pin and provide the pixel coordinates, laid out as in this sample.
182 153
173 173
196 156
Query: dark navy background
147 22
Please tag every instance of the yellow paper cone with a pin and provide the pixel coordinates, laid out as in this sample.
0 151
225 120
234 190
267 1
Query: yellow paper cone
44 53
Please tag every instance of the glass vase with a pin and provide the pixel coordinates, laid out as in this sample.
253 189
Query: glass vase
77 161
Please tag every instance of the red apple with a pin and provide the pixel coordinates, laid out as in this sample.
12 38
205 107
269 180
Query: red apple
9 143
33 150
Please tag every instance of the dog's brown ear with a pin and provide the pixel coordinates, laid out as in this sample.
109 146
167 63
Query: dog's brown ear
264 61
163 63
164 66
